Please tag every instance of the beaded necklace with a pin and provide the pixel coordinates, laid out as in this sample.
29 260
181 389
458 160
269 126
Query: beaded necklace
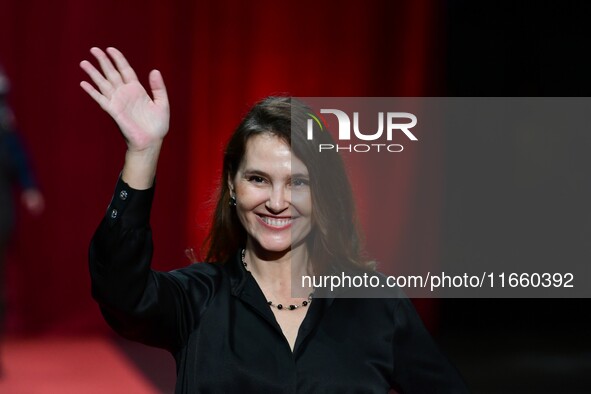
279 306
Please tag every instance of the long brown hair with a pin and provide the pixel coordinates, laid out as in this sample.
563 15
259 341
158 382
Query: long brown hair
334 239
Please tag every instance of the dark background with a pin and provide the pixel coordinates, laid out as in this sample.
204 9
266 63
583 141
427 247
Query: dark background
525 197
218 58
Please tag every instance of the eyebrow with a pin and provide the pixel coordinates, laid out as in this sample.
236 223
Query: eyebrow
263 173
299 175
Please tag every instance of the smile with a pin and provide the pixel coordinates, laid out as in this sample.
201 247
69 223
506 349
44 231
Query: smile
277 223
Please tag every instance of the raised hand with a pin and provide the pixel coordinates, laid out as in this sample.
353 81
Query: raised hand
143 120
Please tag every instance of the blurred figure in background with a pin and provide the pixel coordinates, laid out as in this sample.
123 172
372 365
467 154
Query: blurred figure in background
14 171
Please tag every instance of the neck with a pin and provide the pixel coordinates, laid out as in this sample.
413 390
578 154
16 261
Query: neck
275 270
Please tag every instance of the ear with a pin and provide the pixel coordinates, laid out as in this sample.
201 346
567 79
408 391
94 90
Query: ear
231 184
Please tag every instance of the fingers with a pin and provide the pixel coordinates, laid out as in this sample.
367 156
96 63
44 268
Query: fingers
99 80
108 69
123 66
158 88
112 78
92 92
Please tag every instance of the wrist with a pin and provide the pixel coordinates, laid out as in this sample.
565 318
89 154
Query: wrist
139 170
147 150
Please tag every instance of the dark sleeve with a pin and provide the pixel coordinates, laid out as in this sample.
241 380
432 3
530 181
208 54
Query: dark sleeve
419 365
18 160
155 308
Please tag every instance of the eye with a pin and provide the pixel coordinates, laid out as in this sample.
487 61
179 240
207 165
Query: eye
300 182
255 179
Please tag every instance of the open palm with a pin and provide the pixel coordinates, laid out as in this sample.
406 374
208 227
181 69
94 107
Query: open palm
143 120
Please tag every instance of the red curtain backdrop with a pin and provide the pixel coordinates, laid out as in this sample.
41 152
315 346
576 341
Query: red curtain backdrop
217 58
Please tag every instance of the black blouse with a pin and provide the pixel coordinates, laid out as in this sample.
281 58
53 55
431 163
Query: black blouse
215 321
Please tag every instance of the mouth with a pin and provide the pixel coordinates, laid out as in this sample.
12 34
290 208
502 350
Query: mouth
276 222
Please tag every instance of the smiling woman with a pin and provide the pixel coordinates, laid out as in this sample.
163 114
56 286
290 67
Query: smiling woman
270 149
232 323
273 204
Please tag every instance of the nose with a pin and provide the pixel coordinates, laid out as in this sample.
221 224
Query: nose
278 200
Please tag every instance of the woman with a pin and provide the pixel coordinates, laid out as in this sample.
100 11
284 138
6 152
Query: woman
233 325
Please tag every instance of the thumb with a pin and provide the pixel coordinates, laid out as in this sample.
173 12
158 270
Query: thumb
158 88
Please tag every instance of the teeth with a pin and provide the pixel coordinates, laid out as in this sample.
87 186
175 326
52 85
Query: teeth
276 222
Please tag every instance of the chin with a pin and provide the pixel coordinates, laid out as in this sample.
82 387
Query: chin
278 246
274 247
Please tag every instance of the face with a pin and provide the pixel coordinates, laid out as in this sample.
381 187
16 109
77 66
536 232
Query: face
273 199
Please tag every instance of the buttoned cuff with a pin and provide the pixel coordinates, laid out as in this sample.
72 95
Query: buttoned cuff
130 207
